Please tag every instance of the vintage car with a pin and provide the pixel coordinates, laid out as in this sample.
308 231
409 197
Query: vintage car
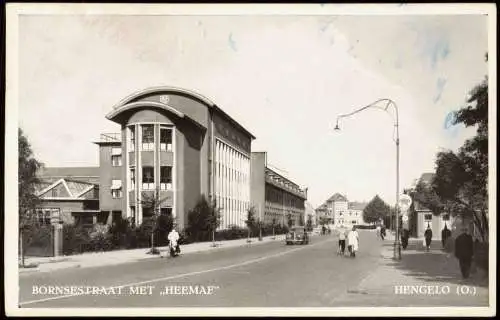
297 235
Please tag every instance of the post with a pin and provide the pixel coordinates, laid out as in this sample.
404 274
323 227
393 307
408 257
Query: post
397 244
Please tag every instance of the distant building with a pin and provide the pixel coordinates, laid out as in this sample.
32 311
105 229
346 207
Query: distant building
274 197
340 211
310 212
321 212
355 210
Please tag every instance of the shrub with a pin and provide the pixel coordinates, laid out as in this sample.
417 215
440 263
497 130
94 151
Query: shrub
202 219
75 239
38 240
233 232
100 238
143 233
164 226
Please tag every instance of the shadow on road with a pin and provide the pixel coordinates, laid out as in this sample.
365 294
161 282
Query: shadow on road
433 266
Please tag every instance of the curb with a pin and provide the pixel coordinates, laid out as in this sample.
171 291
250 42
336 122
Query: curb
208 248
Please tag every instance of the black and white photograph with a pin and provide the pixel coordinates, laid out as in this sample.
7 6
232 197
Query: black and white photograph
250 159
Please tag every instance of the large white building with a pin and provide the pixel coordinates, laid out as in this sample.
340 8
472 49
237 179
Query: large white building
341 211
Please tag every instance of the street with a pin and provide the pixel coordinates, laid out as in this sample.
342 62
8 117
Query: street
269 275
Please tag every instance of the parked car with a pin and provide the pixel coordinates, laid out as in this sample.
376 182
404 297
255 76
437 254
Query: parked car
297 235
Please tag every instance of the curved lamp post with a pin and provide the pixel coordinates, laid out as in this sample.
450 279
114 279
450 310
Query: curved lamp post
377 104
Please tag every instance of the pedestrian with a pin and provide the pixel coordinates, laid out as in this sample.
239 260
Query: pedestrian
382 232
445 235
342 237
405 235
464 250
173 240
353 242
428 237
379 228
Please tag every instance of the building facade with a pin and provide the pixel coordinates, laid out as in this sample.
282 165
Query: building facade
274 197
421 218
176 145
68 195
340 211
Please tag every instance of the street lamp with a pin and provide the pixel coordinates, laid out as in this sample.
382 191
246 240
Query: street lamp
376 104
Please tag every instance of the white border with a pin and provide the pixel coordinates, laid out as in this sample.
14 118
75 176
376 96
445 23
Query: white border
13 10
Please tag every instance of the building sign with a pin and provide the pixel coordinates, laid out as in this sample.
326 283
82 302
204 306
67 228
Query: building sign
164 99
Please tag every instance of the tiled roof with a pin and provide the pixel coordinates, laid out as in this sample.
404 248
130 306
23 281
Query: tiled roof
337 197
427 177
76 188
83 174
357 205
69 171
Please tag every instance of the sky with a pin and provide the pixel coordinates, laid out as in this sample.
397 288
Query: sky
285 78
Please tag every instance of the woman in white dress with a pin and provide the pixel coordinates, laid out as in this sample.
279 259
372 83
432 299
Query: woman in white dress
353 241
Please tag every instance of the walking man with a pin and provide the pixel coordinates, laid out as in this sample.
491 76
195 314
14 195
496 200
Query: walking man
342 232
378 231
445 234
428 237
463 251
353 242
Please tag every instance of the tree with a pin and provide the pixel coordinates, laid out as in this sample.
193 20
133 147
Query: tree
460 184
27 184
309 222
203 220
289 220
375 210
152 201
251 221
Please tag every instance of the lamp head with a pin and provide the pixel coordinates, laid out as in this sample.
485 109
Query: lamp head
336 127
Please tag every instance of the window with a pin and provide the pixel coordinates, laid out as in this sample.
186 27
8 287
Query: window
165 139
148 178
148 137
85 219
166 211
116 157
147 212
132 178
166 178
116 161
45 215
132 138
116 189
428 217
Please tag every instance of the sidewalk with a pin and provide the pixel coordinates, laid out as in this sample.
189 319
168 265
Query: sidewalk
95 259
435 274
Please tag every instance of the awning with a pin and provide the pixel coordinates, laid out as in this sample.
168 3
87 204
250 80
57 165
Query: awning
116 151
117 184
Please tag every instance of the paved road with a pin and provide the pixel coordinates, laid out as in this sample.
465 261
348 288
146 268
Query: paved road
268 275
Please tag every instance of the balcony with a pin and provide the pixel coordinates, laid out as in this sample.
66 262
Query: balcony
110 137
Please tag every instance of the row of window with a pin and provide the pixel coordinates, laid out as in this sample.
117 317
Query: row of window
279 197
148 138
45 215
148 180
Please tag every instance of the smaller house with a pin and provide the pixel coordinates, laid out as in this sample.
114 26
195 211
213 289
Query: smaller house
69 195
422 218
68 201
